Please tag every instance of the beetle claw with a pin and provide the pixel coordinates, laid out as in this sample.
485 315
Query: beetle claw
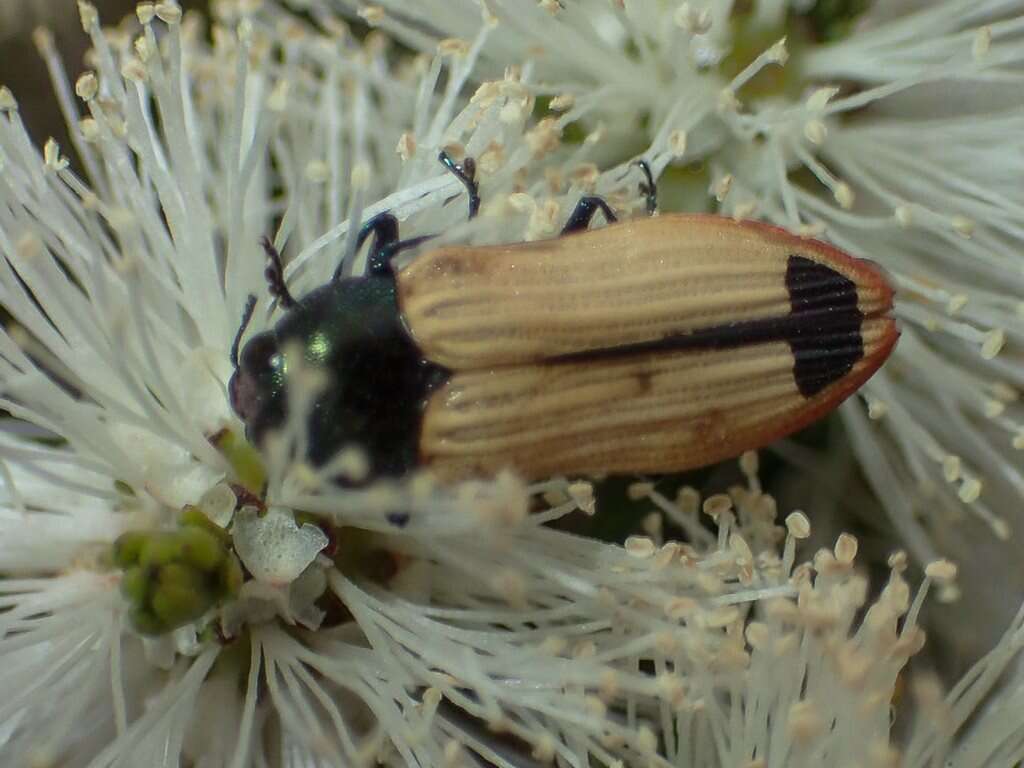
466 173
648 188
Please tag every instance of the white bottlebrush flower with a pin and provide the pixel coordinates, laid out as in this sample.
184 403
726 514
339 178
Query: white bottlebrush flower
404 624
898 142
125 291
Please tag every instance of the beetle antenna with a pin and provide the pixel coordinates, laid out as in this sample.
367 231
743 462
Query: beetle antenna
466 173
648 188
250 306
275 275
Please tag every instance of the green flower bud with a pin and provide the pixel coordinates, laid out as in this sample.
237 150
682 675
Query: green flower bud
193 517
159 548
181 576
176 605
201 549
135 585
128 547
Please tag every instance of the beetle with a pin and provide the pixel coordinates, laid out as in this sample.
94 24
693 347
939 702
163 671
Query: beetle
648 346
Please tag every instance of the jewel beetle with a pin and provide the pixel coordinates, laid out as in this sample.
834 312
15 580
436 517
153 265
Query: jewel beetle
647 346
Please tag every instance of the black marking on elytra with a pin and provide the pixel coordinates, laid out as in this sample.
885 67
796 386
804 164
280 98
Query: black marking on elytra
823 330
829 340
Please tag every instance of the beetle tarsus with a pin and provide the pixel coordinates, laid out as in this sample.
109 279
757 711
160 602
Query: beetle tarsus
275 275
584 211
466 173
648 188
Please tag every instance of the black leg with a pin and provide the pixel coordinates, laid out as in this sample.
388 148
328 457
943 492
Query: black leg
466 173
274 273
384 228
379 262
584 212
648 188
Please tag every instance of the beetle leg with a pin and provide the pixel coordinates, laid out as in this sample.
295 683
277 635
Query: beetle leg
384 228
379 262
648 188
466 173
275 275
386 244
584 211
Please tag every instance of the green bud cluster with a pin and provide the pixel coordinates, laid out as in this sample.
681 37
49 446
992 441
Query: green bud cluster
172 578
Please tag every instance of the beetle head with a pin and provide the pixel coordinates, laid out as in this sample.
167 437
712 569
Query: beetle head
256 388
377 380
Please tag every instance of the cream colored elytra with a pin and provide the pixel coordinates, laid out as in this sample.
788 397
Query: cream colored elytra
496 316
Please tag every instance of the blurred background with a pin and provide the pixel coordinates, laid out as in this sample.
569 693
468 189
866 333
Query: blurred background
21 67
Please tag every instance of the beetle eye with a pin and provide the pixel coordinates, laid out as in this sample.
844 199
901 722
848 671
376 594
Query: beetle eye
258 355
